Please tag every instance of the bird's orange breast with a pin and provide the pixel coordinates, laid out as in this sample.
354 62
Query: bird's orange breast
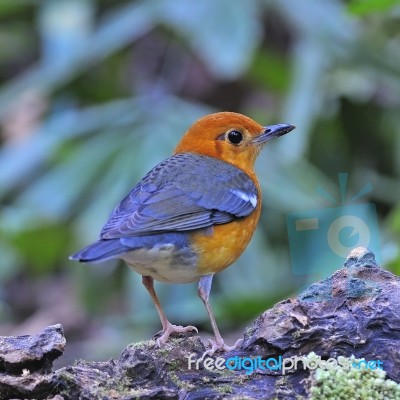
224 245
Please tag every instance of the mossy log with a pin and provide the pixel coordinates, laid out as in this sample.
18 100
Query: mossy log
354 312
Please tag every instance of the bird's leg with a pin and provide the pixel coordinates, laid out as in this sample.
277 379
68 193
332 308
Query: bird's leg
168 328
204 293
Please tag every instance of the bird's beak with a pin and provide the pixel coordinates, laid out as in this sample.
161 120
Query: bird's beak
273 131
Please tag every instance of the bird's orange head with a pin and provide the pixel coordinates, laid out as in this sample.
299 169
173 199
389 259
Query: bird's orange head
231 137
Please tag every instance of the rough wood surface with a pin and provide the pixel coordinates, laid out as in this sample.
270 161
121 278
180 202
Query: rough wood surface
355 311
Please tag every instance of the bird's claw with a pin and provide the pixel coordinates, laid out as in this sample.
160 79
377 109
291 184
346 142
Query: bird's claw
220 346
173 329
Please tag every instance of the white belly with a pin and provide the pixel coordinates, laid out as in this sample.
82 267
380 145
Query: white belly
163 263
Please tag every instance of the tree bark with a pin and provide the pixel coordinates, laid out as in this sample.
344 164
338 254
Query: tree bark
354 311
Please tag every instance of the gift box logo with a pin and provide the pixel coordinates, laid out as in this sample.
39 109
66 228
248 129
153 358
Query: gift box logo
320 240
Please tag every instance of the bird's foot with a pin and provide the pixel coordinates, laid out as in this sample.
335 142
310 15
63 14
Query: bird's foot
170 329
219 345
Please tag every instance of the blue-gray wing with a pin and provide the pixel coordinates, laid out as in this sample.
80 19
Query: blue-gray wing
185 192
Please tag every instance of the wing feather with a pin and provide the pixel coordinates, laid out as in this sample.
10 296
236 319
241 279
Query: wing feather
178 195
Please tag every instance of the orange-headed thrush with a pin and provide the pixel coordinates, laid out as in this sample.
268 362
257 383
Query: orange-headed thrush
193 214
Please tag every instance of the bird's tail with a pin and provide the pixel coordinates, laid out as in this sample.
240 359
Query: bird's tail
100 251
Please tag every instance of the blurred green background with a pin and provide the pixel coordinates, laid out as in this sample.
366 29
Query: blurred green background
96 92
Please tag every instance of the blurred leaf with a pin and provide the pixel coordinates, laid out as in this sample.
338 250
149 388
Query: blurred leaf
10 260
41 247
223 35
16 43
65 26
18 162
334 27
270 70
115 32
9 7
55 193
394 219
362 7
395 266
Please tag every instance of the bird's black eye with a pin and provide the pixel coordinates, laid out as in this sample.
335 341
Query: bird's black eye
235 137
